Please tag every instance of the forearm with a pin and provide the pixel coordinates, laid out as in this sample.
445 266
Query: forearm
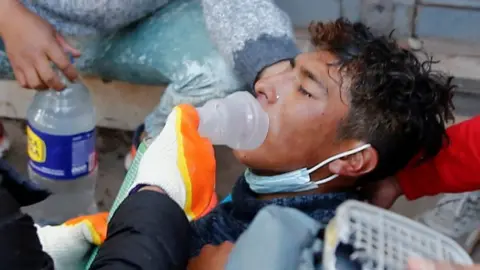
148 224
250 34
454 169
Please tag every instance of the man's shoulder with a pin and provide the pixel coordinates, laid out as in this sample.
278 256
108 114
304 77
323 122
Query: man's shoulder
219 218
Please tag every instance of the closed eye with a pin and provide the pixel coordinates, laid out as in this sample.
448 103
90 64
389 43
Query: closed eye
304 92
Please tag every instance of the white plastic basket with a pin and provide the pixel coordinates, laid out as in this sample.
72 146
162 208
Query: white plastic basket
385 240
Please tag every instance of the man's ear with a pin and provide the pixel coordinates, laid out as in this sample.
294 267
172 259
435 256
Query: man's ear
357 164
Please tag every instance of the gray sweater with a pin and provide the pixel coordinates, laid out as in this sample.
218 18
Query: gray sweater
250 34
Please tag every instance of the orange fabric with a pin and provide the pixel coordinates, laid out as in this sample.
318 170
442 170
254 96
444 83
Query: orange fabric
213 203
133 151
98 221
196 161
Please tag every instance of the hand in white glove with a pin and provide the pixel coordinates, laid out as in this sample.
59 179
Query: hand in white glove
69 244
181 163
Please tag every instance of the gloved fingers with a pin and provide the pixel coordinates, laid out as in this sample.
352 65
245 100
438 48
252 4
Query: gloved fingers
196 163
211 205
94 226
181 162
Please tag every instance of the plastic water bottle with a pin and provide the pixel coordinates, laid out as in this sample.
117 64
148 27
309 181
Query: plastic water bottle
237 121
61 150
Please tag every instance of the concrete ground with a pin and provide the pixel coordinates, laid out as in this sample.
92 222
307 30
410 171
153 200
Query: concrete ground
113 144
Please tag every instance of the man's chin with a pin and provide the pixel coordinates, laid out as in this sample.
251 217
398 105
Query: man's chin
263 172
254 160
241 155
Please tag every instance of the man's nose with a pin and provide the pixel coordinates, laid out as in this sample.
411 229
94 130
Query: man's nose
267 89
276 86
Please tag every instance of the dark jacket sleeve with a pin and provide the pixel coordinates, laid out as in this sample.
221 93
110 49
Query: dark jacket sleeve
20 247
148 231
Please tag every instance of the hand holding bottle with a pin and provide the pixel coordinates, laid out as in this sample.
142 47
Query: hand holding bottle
31 44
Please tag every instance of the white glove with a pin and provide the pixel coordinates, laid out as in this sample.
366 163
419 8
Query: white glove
181 163
69 244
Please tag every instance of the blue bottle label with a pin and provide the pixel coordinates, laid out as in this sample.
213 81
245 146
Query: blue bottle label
61 157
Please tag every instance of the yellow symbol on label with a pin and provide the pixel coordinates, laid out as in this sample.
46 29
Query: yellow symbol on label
37 151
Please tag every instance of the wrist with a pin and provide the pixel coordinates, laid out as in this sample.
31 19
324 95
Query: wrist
141 187
152 188
8 10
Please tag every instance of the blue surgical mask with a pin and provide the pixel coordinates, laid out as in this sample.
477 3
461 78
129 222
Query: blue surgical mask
294 181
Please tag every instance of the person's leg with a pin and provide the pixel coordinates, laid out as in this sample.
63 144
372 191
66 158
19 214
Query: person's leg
195 69
178 50
197 86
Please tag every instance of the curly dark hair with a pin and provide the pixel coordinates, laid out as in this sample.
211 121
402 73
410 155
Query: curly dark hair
398 104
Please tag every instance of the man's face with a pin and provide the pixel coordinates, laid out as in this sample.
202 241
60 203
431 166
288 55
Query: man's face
305 105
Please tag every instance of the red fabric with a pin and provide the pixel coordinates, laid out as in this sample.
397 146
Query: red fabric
456 168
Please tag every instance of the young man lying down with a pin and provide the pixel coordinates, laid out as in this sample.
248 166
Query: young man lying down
358 108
